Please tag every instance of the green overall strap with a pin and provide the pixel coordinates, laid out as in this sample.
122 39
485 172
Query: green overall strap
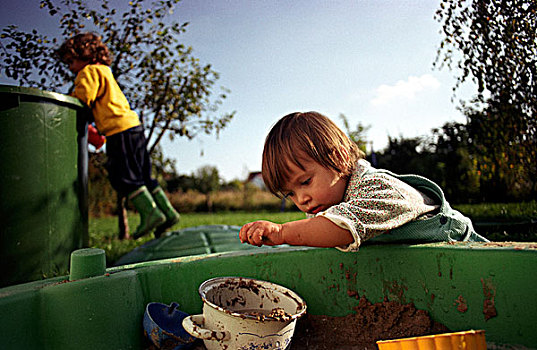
446 225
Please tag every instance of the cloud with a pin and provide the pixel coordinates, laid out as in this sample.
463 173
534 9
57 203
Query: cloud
404 89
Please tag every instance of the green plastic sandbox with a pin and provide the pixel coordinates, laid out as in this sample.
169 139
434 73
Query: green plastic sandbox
465 286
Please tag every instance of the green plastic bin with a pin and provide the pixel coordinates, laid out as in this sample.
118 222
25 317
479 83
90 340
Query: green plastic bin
43 183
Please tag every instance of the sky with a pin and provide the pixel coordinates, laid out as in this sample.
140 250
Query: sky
371 60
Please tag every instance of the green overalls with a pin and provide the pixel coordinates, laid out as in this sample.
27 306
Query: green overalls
447 225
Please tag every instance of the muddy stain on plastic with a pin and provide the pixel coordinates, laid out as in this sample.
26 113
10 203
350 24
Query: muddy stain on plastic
489 291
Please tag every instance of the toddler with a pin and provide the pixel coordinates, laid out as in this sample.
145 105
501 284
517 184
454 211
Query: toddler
308 159
128 165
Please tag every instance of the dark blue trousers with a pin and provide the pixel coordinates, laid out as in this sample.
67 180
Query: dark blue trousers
129 164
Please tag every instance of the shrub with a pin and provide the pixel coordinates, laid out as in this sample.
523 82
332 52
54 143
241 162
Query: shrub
246 199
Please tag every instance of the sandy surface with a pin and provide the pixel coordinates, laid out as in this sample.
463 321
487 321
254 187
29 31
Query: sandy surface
360 330
371 322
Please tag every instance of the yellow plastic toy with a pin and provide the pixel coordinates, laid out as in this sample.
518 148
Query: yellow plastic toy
467 340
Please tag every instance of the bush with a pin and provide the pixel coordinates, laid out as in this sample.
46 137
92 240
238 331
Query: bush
246 199
504 221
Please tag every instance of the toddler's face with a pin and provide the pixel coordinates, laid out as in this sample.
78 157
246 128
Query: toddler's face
314 188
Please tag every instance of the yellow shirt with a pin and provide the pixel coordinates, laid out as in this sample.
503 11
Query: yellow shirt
96 87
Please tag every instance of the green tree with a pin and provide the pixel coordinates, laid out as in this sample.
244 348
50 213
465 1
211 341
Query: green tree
168 87
207 180
494 44
505 161
409 156
459 176
358 136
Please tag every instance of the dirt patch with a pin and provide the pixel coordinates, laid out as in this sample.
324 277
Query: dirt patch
489 291
513 245
361 330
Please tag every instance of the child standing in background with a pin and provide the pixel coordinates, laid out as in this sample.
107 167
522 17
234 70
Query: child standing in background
128 165
308 159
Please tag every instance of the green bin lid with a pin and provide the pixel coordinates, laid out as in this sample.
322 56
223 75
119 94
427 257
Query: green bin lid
48 95
197 240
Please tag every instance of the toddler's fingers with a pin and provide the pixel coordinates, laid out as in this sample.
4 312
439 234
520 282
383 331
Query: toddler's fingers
247 231
257 237
243 233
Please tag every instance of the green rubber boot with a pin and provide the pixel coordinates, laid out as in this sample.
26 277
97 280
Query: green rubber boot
172 216
150 214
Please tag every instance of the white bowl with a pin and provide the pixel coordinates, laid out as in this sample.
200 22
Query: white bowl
244 313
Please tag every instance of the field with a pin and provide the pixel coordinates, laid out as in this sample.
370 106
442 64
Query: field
104 231
498 222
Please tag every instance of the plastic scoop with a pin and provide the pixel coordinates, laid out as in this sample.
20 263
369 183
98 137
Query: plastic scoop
163 326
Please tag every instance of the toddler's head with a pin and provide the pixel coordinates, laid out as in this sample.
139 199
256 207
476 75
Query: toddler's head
299 135
85 47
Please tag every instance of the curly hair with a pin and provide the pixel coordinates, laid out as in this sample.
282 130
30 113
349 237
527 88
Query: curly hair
85 47
309 134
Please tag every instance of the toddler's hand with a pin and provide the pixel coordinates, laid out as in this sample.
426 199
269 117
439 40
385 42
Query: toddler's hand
261 232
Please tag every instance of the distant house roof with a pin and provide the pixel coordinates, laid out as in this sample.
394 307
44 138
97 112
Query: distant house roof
256 179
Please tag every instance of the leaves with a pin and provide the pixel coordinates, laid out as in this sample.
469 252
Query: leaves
18 53
357 136
494 44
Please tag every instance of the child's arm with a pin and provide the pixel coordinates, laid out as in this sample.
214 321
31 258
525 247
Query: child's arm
87 85
313 232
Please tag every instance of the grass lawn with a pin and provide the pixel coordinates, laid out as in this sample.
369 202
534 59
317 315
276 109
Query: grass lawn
103 231
493 220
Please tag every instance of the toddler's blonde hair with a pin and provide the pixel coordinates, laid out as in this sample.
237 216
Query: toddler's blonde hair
308 134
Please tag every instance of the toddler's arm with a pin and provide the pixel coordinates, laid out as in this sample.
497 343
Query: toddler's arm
313 232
